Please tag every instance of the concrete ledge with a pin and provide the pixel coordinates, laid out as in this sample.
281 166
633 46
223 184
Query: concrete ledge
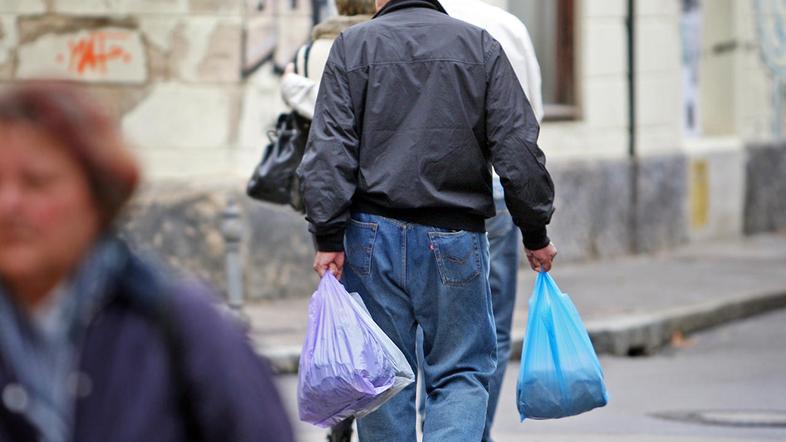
643 334
637 334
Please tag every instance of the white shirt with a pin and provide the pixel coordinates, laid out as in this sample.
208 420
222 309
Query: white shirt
514 38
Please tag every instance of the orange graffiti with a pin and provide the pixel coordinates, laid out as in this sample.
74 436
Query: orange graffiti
95 52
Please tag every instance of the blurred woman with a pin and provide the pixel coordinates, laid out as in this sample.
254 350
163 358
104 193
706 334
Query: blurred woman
97 344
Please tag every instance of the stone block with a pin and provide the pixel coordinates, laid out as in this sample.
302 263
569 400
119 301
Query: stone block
661 139
717 189
8 40
106 55
647 9
223 7
208 50
22 6
661 211
166 163
604 8
765 201
180 116
119 100
594 206
182 224
183 229
592 209
659 100
261 106
606 50
222 58
606 102
280 252
658 45
158 31
294 30
119 7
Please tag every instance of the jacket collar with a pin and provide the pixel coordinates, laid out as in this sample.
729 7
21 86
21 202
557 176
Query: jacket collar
395 5
330 28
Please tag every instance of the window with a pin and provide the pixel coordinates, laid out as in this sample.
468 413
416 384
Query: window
551 25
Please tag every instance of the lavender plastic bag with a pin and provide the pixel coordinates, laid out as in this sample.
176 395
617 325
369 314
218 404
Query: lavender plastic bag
348 366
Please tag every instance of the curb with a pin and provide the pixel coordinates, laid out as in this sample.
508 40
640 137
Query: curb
628 335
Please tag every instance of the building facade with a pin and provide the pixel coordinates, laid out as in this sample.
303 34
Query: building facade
665 118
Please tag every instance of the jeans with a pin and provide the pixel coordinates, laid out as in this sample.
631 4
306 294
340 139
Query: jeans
505 250
411 275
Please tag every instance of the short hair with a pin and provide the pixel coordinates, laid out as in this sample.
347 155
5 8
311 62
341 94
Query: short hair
87 133
356 7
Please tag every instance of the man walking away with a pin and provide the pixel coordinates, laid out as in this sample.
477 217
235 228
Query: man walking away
413 108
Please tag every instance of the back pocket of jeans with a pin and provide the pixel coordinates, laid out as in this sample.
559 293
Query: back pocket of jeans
359 245
457 255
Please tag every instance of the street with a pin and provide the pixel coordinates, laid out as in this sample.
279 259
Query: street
737 367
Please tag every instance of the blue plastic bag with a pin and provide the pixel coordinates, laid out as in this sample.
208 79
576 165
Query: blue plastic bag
348 366
560 373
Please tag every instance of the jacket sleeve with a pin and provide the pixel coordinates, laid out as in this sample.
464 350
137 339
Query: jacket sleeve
300 93
328 172
512 134
232 390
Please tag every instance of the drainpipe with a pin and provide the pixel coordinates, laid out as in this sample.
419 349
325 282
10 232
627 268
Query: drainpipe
632 154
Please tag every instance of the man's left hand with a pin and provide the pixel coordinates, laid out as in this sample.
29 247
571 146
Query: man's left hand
332 261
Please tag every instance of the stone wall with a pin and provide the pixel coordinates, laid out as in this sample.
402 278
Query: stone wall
596 218
192 81
765 202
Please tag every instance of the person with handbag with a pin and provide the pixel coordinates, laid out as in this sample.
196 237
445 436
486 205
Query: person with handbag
299 88
274 179
300 83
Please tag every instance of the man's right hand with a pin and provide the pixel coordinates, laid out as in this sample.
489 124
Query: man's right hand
329 261
540 260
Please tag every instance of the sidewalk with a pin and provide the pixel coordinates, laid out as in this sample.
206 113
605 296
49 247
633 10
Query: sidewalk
631 305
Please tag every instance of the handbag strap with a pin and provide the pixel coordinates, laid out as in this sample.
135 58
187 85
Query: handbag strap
306 54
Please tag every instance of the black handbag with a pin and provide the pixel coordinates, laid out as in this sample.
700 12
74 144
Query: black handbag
274 179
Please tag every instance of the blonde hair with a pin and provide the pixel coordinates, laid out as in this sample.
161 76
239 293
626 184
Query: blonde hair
356 7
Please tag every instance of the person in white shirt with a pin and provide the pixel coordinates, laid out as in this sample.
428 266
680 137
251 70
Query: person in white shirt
503 235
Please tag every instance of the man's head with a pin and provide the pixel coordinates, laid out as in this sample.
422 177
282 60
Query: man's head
355 7
381 4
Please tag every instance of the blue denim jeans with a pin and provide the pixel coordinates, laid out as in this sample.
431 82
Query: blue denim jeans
411 275
505 250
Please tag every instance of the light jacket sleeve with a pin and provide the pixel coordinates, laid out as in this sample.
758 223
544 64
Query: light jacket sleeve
512 134
328 172
299 93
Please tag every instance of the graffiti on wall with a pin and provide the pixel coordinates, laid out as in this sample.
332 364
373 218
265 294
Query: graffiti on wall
275 29
770 18
102 55
94 52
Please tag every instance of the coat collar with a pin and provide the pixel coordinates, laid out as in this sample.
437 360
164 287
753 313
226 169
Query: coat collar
330 28
395 5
